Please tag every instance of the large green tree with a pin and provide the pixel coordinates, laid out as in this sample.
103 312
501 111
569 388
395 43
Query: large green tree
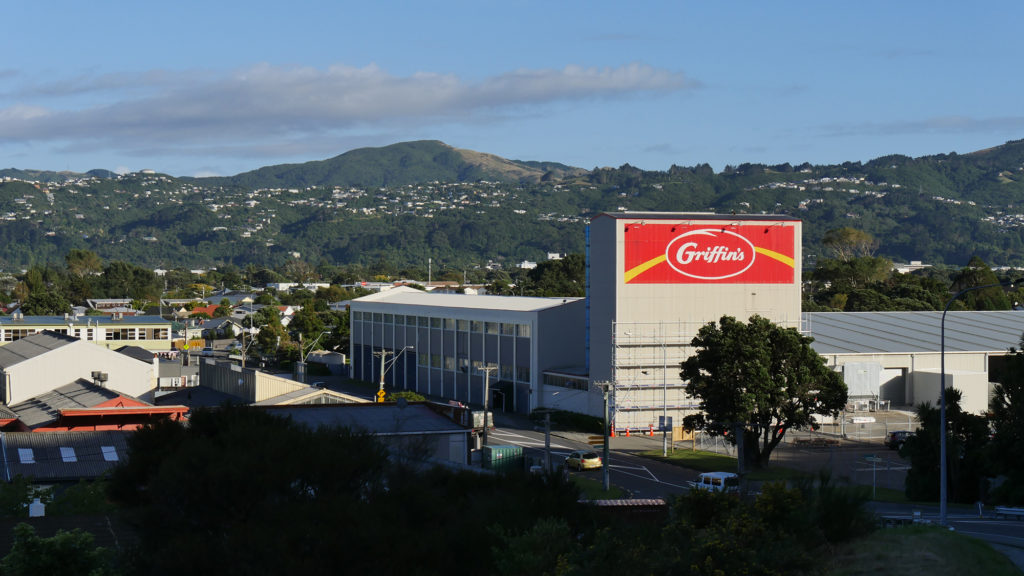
760 377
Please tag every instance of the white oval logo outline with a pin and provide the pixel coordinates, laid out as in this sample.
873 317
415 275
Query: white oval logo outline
714 234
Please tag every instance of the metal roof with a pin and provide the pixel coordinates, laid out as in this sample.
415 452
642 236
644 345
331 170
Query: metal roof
904 332
62 456
413 297
78 321
46 408
380 419
32 346
695 216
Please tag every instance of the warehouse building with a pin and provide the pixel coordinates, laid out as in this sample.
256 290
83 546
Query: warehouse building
455 345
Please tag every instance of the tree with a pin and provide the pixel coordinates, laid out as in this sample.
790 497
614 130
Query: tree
1006 451
848 243
966 439
978 273
71 552
45 303
761 377
83 263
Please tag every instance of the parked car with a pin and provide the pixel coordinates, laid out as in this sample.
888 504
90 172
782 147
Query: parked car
717 482
583 460
895 439
207 351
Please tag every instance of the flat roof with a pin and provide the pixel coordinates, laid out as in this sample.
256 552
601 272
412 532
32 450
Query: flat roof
902 332
79 321
413 297
695 216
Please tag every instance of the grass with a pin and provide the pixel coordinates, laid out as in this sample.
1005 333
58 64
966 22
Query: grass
917 551
592 489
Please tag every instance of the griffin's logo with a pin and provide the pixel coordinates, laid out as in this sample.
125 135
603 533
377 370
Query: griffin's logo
710 254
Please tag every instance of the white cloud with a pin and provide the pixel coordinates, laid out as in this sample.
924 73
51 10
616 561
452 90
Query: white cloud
266 106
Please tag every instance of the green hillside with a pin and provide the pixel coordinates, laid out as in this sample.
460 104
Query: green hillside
406 203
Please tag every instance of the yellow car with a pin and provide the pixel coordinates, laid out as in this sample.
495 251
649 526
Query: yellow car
583 460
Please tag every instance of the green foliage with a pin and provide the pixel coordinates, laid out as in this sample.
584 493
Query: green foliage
16 495
409 395
86 497
966 441
71 552
562 419
1006 452
940 209
762 377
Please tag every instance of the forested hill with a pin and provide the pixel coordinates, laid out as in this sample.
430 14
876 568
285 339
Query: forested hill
398 165
405 203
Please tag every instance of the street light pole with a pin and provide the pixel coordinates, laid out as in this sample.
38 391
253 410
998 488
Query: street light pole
942 393
606 388
385 366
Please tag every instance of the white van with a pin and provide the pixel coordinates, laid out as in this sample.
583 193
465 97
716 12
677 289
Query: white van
717 482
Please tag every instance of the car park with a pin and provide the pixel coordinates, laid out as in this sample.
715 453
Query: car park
583 460
894 440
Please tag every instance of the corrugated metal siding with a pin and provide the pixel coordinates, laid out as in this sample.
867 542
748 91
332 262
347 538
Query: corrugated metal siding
902 332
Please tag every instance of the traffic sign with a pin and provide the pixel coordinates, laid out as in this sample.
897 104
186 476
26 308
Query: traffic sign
380 395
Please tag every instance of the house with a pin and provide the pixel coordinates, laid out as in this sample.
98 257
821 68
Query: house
39 363
225 327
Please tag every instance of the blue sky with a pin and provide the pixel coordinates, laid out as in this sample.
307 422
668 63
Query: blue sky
222 87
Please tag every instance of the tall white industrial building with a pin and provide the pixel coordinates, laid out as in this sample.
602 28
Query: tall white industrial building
656 278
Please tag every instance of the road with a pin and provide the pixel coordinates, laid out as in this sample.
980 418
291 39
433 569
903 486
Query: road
641 477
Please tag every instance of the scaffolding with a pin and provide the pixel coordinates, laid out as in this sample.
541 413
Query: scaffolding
646 359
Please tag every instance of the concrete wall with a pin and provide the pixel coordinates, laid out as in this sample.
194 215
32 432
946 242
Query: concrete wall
973 385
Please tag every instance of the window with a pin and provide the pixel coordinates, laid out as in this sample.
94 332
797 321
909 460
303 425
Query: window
399 319
478 326
109 453
424 321
463 325
523 373
388 318
67 454
435 322
508 329
435 360
119 333
25 456
357 316
378 317
423 359
523 330
449 363
506 372
491 327
449 324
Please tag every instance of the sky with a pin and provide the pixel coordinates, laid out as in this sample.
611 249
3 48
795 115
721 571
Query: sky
218 88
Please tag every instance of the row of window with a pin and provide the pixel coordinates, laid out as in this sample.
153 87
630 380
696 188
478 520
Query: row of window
464 365
566 382
12 334
67 454
477 326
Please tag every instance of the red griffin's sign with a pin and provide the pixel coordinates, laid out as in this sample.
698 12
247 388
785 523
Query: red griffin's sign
759 253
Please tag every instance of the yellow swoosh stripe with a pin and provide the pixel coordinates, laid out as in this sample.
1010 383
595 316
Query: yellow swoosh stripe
776 256
640 269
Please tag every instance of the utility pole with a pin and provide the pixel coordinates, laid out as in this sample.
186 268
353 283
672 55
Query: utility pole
487 394
606 388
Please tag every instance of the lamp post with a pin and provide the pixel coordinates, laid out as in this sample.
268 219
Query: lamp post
385 366
942 392
246 300
302 353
